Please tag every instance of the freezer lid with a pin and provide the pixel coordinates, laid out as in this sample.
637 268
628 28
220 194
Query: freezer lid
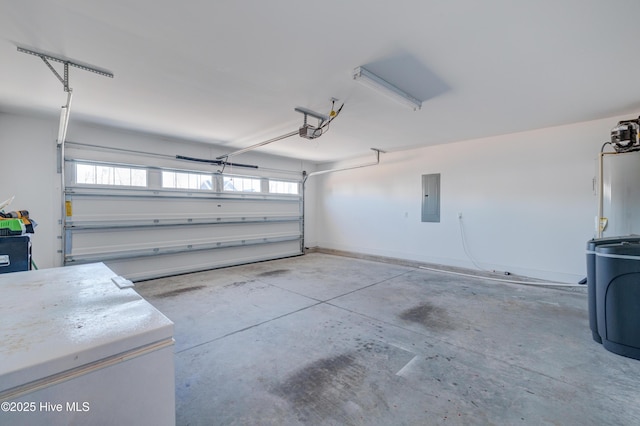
54 320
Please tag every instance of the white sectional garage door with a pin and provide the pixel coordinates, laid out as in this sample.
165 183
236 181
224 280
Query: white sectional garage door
151 229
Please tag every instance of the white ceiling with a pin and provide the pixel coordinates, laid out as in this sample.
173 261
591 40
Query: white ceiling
231 72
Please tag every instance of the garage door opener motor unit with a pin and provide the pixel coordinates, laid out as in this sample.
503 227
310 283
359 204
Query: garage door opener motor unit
624 137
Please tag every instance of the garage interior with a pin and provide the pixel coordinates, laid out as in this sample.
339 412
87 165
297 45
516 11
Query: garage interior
345 214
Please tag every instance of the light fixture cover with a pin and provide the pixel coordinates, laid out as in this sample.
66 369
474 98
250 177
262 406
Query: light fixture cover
368 78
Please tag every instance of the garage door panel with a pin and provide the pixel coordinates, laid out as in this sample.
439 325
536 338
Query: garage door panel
95 209
113 240
160 266
143 233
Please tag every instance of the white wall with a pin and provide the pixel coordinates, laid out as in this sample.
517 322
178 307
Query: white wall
527 201
29 162
28 152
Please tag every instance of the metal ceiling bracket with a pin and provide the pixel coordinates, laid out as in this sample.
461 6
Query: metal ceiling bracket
306 111
359 166
65 80
64 122
66 62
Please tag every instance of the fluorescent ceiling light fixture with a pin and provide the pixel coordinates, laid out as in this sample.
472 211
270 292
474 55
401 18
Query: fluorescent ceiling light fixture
368 78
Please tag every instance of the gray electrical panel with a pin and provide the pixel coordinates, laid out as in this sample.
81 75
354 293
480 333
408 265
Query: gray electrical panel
431 198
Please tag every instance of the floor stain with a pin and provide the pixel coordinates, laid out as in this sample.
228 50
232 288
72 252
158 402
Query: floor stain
371 346
275 272
319 390
237 284
431 316
179 291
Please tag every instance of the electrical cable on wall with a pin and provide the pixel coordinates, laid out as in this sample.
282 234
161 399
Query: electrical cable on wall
466 248
476 264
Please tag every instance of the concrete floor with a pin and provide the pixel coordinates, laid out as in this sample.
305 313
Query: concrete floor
329 340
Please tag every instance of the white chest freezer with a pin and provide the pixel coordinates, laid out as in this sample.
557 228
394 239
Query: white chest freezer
77 349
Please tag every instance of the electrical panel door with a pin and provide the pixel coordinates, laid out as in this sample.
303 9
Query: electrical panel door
431 198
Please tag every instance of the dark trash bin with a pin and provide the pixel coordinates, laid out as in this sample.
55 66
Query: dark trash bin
618 297
591 276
